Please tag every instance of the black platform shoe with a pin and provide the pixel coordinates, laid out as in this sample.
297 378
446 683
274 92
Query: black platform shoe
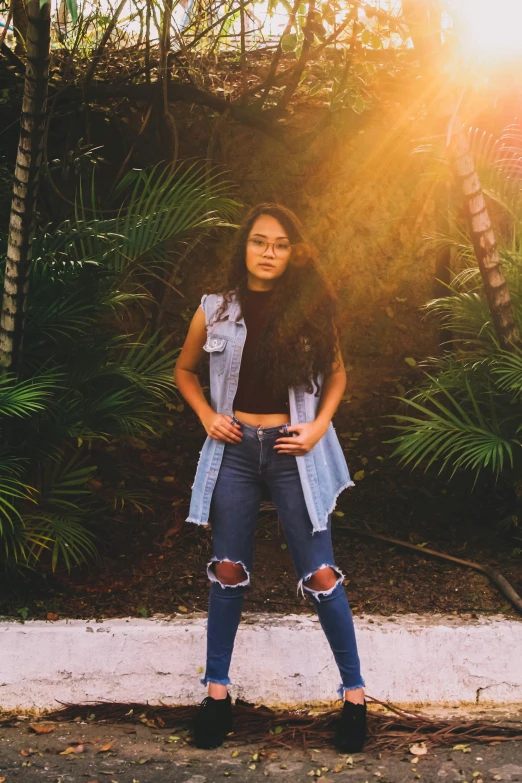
213 722
350 732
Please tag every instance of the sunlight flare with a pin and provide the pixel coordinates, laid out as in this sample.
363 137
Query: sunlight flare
490 29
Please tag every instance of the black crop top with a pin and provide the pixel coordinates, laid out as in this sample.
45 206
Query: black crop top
252 396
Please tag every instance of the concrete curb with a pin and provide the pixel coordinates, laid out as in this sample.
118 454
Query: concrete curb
278 660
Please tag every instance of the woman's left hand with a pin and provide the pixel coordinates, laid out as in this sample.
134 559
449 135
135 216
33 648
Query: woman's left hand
308 434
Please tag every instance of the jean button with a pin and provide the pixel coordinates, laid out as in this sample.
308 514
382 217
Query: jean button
261 432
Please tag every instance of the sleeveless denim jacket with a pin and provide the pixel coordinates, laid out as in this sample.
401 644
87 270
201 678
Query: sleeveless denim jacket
323 471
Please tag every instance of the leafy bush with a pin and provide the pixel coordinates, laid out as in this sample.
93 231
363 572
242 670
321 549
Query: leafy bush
466 414
84 378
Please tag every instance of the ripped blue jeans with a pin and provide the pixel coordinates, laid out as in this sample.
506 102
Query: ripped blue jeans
245 468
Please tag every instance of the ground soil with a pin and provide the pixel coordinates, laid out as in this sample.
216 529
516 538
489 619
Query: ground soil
92 750
155 563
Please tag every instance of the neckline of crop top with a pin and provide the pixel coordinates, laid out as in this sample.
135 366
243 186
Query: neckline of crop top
252 396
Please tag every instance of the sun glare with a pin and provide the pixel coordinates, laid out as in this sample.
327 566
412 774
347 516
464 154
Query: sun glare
490 29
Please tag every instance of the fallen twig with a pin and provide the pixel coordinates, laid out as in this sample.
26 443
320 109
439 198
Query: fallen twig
290 728
496 577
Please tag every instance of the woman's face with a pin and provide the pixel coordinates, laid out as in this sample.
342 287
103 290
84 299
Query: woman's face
268 251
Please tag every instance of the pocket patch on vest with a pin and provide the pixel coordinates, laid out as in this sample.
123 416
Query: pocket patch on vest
214 343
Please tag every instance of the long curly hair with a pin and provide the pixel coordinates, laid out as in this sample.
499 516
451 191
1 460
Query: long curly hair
300 339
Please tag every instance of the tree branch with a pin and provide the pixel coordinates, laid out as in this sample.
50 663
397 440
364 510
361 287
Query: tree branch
267 85
12 58
275 79
182 92
496 577
295 77
101 46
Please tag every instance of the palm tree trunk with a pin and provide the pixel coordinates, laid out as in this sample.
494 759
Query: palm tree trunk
21 224
483 238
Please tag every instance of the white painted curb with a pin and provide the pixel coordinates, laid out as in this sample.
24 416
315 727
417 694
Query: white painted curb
278 660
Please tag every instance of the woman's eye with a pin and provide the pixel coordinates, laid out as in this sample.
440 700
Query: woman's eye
282 246
257 242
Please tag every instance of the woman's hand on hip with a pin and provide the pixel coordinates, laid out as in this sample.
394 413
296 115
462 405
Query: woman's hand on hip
221 427
307 435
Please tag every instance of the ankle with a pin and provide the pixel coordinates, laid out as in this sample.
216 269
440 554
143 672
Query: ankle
355 696
217 691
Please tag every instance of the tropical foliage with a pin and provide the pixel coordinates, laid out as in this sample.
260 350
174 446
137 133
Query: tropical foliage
87 377
466 415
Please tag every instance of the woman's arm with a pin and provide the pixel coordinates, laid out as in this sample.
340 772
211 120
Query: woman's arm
311 432
217 426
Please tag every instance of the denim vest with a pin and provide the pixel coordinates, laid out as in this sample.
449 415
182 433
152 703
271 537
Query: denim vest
323 471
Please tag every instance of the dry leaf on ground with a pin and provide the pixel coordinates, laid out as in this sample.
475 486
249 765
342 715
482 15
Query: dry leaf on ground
419 749
105 747
40 728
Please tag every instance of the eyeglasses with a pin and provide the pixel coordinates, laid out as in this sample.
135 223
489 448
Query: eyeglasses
260 246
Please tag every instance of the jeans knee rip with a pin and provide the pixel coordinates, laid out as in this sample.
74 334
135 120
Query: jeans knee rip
213 578
318 593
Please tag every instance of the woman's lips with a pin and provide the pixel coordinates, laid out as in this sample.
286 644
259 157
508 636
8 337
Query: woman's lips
267 266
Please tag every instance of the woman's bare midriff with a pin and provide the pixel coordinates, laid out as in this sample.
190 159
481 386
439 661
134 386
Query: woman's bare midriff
262 419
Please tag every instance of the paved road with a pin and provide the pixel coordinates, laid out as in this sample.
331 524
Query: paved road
139 754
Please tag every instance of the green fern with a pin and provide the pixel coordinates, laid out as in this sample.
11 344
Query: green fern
85 380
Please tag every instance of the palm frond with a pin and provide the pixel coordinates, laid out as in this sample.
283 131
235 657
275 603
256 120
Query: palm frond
167 204
65 536
149 366
138 501
161 203
14 490
506 370
448 431
465 314
24 398
62 482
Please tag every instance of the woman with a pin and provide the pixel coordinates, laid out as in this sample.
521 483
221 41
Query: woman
276 379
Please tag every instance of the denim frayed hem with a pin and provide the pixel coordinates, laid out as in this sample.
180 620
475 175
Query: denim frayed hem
195 521
206 680
341 690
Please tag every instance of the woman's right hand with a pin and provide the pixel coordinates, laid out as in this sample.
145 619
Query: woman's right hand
221 427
